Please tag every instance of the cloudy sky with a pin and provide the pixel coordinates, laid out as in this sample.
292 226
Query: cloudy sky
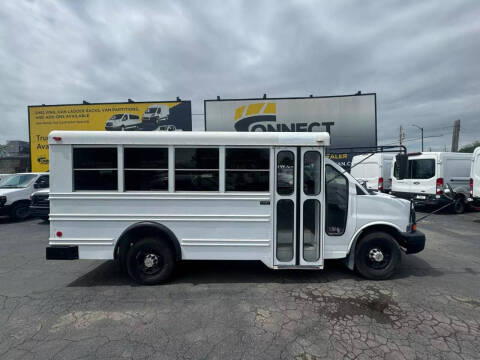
420 57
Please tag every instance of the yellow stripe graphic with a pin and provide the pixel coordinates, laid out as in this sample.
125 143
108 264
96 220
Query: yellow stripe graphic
239 112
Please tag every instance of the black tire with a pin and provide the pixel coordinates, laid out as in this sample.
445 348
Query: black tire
159 256
458 206
373 266
20 211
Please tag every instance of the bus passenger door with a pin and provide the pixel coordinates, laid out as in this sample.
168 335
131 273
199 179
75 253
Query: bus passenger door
298 198
311 190
285 234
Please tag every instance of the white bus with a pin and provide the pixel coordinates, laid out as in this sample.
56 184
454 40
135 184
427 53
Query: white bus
152 199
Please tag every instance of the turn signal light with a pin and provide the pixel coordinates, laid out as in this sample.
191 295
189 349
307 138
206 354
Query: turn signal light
471 187
414 227
439 186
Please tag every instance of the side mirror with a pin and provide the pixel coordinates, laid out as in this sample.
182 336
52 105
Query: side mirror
36 186
402 163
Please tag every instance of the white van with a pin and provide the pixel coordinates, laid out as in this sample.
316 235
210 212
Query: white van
15 193
156 115
374 170
475 177
154 198
123 122
428 176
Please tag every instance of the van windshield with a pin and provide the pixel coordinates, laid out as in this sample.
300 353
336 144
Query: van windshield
18 181
116 117
151 110
418 169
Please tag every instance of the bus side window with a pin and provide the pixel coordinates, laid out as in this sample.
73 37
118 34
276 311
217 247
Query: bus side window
336 195
95 168
146 169
247 169
196 169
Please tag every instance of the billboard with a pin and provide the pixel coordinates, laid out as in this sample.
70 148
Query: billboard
351 120
130 116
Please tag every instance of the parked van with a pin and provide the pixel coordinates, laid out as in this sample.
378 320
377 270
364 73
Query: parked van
428 176
40 205
475 177
156 114
15 193
373 170
123 122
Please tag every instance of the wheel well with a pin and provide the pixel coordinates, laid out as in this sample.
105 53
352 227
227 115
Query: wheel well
144 229
350 259
23 201
383 228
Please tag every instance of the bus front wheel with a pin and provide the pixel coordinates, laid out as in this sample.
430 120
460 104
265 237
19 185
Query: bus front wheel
377 256
150 261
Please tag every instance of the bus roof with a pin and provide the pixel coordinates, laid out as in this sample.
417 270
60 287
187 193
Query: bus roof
189 138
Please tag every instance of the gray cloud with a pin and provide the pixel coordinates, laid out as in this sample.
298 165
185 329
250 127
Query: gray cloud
421 58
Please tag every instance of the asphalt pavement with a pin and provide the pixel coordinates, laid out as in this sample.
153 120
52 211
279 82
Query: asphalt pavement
242 310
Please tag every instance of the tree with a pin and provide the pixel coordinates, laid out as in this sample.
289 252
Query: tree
3 150
470 147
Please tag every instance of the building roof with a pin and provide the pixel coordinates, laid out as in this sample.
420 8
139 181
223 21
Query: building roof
190 138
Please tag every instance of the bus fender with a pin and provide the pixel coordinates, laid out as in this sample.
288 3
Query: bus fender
146 228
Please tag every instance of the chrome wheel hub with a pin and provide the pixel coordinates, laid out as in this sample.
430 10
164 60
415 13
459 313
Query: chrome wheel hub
376 255
150 260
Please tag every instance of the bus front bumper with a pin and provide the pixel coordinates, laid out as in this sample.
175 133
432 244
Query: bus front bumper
414 242
62 252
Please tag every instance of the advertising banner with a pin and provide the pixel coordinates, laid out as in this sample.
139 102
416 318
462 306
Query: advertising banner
351 120
134 116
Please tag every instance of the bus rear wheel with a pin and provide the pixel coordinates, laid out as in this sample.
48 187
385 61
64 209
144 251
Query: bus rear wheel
377 256
150 261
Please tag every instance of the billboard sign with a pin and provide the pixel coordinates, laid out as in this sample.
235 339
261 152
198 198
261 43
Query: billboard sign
134 116
351 120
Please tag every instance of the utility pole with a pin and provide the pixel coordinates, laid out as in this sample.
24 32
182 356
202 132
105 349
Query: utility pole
421 129
455 135
400 136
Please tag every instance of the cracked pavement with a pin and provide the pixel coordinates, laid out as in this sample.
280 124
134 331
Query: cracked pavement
242 310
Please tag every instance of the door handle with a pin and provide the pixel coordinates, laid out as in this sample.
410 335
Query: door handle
416 182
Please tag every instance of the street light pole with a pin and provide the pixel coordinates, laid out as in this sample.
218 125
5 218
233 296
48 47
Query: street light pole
421 129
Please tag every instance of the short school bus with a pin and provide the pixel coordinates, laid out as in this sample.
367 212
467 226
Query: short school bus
152 199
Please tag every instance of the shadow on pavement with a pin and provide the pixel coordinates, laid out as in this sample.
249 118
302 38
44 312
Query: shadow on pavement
224 272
